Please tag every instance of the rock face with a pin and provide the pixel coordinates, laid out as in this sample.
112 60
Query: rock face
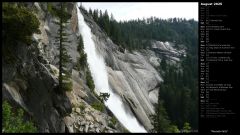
129 74
30 82
84 118
133 75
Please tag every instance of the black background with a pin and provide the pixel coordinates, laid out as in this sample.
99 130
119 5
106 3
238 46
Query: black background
224 72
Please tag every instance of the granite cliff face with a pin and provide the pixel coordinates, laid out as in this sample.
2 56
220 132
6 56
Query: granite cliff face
133 75
31 82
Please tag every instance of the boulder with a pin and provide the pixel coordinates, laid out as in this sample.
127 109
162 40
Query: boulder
89 117
81 129
91 126
97 130
86 128
78 110
83 123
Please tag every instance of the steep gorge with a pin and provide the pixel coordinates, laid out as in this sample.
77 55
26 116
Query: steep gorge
133 75
131 78
98 70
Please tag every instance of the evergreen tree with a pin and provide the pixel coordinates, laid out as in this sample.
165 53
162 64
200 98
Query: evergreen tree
90 82
104 96
95 15
106 24
90 11
186 127
82 61
64 75
163 64
160 120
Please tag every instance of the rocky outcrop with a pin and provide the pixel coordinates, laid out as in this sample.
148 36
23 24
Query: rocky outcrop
83 117
88 120
130 75
32 87
31 81
133 75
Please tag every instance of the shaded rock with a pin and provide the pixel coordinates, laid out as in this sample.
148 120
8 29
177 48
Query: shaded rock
81 129
69 122
83 123
78 122
10 92
86 128
62 127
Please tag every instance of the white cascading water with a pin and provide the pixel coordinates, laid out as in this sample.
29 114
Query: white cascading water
99 73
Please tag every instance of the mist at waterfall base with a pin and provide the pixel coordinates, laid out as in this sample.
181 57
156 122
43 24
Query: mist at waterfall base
99 73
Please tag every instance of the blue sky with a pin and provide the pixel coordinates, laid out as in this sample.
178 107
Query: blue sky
134 10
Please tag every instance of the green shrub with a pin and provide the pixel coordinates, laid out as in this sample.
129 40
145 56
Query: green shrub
98 106
174 129
19 23
51 9
13 122
89 80
83 60
54 71
80 46
111 125
186 127
82 106
67 86
113 120
125 130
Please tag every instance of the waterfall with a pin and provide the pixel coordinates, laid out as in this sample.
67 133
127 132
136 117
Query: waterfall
99 74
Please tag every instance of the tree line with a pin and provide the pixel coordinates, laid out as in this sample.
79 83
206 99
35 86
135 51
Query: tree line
178 97
138 33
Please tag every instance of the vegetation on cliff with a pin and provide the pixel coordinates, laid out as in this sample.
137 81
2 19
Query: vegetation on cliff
13 120
18 26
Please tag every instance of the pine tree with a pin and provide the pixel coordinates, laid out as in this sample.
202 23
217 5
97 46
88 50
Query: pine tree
161 121
104 96
163 64
82 61
90 11
95 15
106 24
64 58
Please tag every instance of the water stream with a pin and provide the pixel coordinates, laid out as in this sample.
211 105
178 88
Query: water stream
99 74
